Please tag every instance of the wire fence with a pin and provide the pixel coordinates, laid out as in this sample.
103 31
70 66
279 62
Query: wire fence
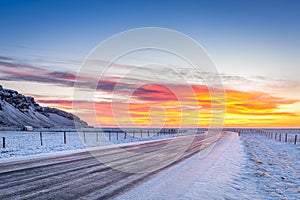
22 139
283 135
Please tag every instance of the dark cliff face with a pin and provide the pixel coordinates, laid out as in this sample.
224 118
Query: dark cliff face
19 110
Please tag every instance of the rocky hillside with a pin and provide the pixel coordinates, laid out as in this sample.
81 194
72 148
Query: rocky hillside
17 110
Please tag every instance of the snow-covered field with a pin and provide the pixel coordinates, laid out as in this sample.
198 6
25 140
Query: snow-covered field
284 135
21 143
273 167
247 167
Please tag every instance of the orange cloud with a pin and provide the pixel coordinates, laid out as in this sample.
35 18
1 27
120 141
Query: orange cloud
188 106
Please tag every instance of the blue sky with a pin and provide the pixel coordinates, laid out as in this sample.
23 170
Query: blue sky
72 28
255 44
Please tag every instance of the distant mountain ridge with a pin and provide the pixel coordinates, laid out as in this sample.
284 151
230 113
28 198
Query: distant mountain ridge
17 110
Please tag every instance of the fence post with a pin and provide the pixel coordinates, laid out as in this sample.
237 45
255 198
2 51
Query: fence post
286 137
125 135
133 134
295 139
65 138
275 136
84 139
41 138
117 135
109 136
280 137
3 142
148 133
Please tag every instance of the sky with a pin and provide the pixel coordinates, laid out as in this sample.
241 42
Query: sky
254 45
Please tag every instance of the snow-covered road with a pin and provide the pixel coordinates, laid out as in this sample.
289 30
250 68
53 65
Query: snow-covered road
208 177
247 167
79 174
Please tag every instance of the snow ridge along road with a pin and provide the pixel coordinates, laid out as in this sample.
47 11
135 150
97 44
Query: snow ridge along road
81 175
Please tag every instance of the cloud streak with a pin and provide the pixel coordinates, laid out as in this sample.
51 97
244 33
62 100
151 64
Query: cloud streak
131 101
157 105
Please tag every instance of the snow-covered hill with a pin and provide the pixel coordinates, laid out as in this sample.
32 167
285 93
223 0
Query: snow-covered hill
17 110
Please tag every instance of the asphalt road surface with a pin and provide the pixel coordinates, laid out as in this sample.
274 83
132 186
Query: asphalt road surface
98 174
